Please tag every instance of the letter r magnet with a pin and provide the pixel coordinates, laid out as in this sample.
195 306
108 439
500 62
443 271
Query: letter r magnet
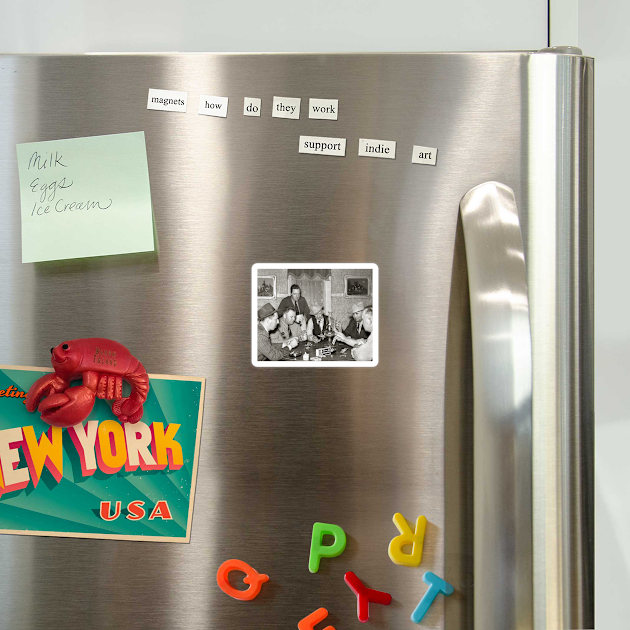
319 551
407 537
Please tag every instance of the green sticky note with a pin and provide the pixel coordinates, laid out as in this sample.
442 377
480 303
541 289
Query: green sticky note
85 197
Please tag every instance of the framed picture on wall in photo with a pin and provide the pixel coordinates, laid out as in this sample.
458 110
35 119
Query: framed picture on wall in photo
267 287
357 286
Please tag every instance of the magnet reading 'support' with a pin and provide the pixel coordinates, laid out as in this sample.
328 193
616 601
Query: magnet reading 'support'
102 364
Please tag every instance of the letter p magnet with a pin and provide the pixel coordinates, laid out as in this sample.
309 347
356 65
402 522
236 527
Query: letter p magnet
319 551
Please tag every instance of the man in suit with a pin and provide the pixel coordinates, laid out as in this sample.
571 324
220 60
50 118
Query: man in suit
355 329
317 323
297 303
267 322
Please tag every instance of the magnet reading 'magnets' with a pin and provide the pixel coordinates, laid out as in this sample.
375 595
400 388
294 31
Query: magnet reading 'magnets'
102 364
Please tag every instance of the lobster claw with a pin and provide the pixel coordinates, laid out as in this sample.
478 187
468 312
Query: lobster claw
43 386
68 408
127 410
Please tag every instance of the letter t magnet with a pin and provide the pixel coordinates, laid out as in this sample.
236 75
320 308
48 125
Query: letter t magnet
436 586
407 537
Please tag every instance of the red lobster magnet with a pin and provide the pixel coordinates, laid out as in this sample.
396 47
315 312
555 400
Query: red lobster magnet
102 364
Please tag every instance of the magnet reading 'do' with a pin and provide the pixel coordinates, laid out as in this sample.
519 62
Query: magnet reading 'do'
102 364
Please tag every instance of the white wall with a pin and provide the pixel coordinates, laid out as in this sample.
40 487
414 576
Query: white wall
36 26
603 27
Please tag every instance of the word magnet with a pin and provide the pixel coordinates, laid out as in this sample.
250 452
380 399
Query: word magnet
322 146
252 577
365 596
213 106
251 106
319 550
407 537
323 108
167 100
377 148
285 107
424 155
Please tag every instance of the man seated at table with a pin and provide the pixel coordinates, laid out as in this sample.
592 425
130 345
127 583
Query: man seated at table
267 322
288 328
366 316
317 323
355 329
364 351
297 303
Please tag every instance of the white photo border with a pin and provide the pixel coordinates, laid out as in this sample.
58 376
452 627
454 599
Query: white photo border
313 364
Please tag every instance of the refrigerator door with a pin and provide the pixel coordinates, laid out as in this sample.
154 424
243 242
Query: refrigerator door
284 448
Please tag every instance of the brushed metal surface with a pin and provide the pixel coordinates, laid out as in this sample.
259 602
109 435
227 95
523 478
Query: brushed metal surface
280 448
502 371
560 273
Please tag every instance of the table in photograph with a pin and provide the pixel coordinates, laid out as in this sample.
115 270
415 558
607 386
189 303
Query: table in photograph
337 355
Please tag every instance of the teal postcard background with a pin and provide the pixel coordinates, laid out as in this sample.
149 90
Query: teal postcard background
72 505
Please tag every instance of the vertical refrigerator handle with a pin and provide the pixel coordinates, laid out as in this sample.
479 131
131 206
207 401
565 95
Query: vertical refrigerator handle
502 375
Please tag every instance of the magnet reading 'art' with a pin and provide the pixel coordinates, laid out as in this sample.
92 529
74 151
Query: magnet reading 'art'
252 577
319 551
102 364
407 537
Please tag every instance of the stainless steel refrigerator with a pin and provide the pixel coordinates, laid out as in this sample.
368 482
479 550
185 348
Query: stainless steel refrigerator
479 411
